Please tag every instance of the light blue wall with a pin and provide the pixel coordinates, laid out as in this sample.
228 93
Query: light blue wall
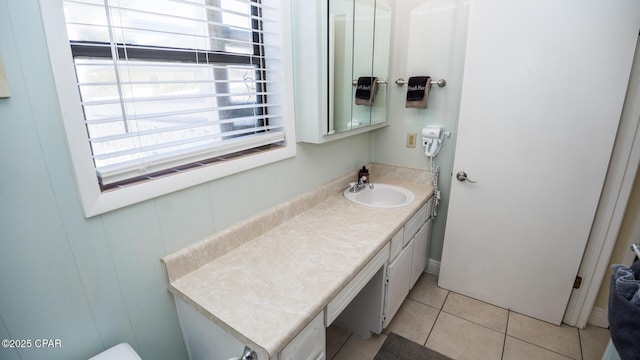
430 39
96 282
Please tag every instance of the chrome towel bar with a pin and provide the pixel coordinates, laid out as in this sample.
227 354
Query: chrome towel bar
440 83
379 82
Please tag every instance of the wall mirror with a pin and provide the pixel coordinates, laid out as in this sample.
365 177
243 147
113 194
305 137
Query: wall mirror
359 46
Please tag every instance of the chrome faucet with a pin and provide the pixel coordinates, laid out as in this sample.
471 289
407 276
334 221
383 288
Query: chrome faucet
357 186
248 354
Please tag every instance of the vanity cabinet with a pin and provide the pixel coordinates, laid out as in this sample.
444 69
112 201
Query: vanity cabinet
408 259
205 340
309 344
365 304
366 309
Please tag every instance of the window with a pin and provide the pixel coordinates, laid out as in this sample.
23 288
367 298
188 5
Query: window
165 88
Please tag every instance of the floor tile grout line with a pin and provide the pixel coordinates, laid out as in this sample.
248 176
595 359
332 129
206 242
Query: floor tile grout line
580 343
475 323
505 333
506 330
343 344
542 347
478 300
436 320
509 311
458 316
425 304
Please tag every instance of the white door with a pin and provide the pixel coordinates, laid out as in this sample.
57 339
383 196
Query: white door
544 83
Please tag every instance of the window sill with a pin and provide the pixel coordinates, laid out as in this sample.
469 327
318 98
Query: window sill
96 202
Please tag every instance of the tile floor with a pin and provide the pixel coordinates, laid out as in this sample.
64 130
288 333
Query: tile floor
465 328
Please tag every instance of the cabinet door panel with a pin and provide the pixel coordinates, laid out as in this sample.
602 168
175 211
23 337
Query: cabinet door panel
420 252
398 287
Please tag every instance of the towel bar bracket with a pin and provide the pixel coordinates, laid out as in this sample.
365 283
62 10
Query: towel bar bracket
440 83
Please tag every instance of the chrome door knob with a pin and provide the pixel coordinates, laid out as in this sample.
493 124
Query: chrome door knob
462 176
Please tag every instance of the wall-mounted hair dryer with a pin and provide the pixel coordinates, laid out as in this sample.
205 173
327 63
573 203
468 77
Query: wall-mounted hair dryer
432 137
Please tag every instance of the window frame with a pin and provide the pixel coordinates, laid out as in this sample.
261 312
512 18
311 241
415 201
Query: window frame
94 200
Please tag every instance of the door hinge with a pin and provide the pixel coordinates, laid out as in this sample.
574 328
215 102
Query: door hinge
577 282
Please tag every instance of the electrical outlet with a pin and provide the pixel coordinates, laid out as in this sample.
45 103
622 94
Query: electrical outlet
411 140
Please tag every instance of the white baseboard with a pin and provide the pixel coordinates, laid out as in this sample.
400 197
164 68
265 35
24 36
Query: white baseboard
599 317
433 267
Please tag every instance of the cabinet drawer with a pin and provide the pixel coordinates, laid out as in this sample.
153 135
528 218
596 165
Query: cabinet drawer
309 344
396 244
415 223
344 297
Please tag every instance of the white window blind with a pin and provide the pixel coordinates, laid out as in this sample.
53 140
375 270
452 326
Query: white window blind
171 84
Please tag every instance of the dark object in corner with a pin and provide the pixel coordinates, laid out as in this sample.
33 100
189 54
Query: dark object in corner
364 172
624 320
396 347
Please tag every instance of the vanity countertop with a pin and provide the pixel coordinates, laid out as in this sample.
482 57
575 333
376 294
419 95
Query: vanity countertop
267 290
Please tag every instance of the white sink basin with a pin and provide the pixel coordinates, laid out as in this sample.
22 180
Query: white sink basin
382 196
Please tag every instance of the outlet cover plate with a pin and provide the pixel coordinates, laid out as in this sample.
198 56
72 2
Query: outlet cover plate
4 86
411 140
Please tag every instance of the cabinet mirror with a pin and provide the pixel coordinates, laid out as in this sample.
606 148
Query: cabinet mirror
359 46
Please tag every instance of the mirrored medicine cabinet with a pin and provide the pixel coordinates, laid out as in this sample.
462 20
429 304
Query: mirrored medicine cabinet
335 43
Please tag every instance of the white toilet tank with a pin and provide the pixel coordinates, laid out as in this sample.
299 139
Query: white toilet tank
119 352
